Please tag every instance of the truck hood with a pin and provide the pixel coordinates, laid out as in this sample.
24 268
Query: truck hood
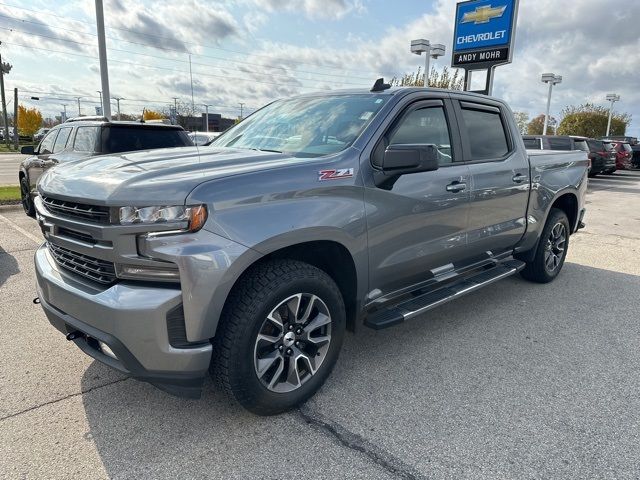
152 177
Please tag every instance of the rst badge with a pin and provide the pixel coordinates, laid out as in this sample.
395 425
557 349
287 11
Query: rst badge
335 174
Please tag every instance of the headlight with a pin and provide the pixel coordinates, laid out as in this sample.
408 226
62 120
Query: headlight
195 215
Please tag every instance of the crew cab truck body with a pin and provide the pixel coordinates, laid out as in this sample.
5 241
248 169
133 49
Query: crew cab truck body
316 214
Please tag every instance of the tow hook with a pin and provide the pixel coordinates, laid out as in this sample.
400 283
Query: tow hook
36 301
74 335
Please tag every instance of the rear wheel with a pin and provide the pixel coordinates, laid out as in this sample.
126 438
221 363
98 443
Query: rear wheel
552 249
25 196
280 335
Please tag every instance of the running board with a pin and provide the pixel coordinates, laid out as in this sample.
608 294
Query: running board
418 305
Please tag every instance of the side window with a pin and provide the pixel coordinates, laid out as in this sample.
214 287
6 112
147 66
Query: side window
86 139
559 143
425 126
46 146
61 141
486 135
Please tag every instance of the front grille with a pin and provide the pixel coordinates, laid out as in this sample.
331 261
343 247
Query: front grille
76 235
92 268
92 213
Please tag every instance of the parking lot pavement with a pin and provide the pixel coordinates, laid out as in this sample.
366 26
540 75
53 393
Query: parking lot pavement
9 164
517 380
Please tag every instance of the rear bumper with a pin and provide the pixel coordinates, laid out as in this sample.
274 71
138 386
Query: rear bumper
131 319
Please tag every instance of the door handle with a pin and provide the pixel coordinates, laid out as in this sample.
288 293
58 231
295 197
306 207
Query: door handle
456 187
519 178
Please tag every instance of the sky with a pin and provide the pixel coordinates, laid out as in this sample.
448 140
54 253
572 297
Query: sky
254 51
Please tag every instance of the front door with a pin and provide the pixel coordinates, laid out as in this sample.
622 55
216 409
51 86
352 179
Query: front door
36 164
417 222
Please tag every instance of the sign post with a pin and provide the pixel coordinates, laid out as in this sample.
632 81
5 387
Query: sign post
483 37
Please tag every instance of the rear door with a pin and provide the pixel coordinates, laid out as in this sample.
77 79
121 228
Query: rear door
499 171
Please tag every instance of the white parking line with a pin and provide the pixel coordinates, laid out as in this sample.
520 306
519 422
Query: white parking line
21 230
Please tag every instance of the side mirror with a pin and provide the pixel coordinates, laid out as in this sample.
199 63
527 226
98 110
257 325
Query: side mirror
27 150
404 158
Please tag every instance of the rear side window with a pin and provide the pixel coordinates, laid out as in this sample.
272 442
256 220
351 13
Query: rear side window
61 141
559 143
46 146
532 143
86 139
486 134
608 146
596 145
580 145
626 147
425 126
127 139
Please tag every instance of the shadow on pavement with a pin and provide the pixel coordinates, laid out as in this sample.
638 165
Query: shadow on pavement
515 380
8 266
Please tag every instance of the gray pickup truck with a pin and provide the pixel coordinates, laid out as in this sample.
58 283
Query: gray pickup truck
315 215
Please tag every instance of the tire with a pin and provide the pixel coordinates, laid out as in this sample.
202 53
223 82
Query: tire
551 250
26 199
591 175
261 373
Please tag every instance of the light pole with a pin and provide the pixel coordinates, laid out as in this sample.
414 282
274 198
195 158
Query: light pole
613 98
78 99
100 93
241 106
434 51
551 79
207 115
117 99
64 117
102 53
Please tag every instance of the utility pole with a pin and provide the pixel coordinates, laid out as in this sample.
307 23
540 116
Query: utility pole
117 99
102 51
15 118
241 105
206 116
193 106
79 113
4 68
174 119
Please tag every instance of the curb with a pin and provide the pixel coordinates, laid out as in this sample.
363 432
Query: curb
10 208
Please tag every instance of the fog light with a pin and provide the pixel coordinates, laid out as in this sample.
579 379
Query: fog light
104 348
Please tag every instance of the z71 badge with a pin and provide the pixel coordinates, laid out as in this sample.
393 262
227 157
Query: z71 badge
335 174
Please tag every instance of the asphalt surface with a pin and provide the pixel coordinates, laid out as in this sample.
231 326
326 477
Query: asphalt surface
9 165
517 380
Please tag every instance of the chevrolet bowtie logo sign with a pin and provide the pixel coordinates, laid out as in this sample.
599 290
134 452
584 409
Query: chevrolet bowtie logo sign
483 14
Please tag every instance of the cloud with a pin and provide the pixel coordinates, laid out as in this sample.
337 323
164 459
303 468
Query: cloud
314 9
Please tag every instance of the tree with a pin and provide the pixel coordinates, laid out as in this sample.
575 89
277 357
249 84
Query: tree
437 79
522 120
29 120
536 126
152 115
589 120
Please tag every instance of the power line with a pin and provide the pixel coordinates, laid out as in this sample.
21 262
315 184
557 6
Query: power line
225 77
269 74
137 32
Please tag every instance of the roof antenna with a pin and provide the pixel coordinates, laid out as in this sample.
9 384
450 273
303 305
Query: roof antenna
380 86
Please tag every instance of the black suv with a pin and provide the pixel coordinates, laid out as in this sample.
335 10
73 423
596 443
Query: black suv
603 157
83 137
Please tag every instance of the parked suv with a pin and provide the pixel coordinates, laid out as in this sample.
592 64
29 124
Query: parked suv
314 215
624 154
603 157
88 136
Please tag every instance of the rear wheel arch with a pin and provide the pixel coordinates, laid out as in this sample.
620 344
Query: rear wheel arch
568 203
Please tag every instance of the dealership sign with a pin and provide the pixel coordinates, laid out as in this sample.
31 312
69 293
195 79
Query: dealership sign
484 33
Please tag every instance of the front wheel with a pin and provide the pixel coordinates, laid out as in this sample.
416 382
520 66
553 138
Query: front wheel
280 335
551 251
25 197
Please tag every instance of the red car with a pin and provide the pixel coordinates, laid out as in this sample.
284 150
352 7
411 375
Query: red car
624 154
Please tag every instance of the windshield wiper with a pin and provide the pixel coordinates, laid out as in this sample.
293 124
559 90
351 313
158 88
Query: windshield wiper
266 150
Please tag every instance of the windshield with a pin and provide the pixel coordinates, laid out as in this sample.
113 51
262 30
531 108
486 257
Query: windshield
305 127
581 145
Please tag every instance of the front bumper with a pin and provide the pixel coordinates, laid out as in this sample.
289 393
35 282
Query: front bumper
131 318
